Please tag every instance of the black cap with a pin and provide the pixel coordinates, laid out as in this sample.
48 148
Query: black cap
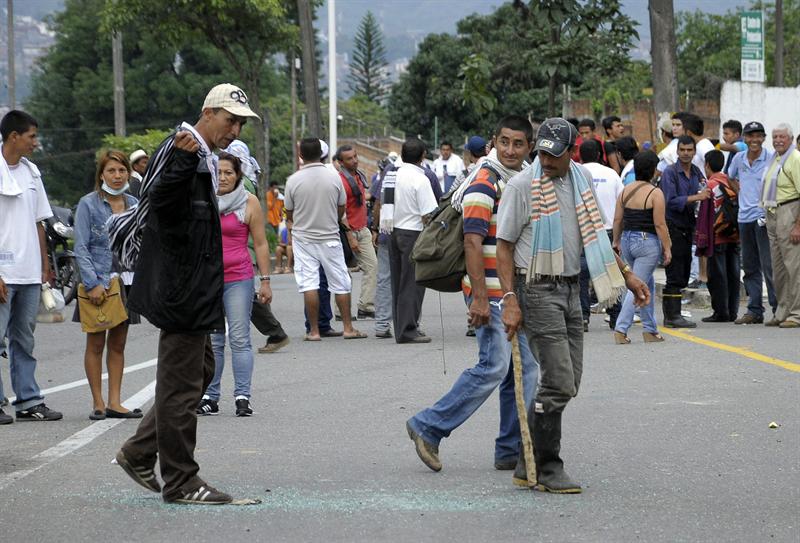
753 126
555 136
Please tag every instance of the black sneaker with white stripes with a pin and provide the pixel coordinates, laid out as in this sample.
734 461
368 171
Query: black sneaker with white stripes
38 412
142 475
203 495
207 406
243 408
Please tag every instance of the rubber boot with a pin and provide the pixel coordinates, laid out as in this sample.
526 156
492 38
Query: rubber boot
551 476
671 305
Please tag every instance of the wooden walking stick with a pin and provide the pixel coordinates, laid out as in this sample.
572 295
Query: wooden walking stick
522 412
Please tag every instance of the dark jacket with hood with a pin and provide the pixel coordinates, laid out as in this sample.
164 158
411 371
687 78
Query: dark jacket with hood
179 275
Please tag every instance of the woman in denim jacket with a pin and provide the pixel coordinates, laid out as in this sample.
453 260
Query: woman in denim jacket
97 267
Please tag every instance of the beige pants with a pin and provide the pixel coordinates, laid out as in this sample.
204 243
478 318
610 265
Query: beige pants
785 260
368 262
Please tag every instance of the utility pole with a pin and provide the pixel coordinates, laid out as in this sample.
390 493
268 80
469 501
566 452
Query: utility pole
119 85
12 98
293 93
308 47
778 43
663 51
332 105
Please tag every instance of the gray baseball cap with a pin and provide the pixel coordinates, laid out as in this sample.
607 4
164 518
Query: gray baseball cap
555 136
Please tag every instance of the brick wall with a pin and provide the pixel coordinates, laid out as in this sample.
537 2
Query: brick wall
640 119
370 152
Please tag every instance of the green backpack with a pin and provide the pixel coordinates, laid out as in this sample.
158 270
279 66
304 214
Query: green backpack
438 253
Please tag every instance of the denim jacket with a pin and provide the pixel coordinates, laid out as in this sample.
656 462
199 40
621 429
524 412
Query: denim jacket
92 249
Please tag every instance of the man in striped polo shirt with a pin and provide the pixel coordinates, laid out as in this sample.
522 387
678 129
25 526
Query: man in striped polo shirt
483 295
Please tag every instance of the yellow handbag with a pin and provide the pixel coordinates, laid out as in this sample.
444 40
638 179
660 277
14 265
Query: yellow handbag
99 318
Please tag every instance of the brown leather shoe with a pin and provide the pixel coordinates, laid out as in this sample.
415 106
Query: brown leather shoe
789 324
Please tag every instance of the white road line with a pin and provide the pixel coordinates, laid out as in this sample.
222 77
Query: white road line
81 382
78 439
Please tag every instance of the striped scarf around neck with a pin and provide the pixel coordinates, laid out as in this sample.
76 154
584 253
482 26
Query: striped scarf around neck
547 257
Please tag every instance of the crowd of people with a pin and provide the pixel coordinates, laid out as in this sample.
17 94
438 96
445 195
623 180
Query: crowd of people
555 219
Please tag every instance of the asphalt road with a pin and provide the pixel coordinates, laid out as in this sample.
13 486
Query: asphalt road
670 441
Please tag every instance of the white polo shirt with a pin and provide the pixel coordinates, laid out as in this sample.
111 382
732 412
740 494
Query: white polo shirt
413 198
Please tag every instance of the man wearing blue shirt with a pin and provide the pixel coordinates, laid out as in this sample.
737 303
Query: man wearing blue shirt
731 143
680 184
747 169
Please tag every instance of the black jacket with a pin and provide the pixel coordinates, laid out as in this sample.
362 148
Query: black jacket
179 275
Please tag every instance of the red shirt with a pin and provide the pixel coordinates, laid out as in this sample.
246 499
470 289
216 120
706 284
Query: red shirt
576 154
356 215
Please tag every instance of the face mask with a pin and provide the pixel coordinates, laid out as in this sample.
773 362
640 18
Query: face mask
114 192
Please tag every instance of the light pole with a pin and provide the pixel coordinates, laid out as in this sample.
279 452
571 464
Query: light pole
332 135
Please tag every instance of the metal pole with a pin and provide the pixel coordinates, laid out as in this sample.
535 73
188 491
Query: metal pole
332 114
294 61
119 85
778 43
12 98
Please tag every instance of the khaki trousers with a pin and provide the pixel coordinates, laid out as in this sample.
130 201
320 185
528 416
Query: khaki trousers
785 260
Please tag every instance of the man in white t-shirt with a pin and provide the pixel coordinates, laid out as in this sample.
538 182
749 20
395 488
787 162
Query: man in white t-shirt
413 201
447 166
607 189
607 182
669 154
694 127
23 261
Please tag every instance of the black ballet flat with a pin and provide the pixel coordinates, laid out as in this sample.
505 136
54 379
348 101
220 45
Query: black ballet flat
135 414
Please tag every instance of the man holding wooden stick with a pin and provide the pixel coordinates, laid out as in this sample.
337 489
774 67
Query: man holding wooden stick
512 142
547 217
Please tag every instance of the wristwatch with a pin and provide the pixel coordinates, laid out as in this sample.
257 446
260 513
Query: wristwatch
263 277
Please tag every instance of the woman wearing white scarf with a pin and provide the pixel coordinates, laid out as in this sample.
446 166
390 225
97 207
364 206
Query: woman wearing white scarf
240 218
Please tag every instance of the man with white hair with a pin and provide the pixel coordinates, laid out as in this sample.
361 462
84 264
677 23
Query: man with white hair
781 199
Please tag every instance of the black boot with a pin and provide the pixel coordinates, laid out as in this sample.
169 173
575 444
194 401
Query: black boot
551 476
671 305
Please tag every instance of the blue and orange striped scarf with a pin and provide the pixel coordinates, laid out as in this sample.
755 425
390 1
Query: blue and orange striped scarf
547 234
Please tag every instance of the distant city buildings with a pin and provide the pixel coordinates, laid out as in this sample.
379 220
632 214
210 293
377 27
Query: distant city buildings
32 39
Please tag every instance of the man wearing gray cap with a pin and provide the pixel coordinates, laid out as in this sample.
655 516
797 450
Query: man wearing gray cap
174 238
747 169
550 209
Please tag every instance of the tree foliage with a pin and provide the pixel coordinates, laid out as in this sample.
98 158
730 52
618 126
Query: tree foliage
709 48
513 60
368 67
246 32
165 84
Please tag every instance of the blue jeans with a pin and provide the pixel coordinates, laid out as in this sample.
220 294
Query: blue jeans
757 266
642 252
325 313
238 299
383 291
18 321
476 384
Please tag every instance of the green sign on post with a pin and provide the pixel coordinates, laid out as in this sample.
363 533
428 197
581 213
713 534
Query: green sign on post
752 23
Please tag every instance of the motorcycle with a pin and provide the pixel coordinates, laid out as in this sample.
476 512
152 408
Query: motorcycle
59 230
